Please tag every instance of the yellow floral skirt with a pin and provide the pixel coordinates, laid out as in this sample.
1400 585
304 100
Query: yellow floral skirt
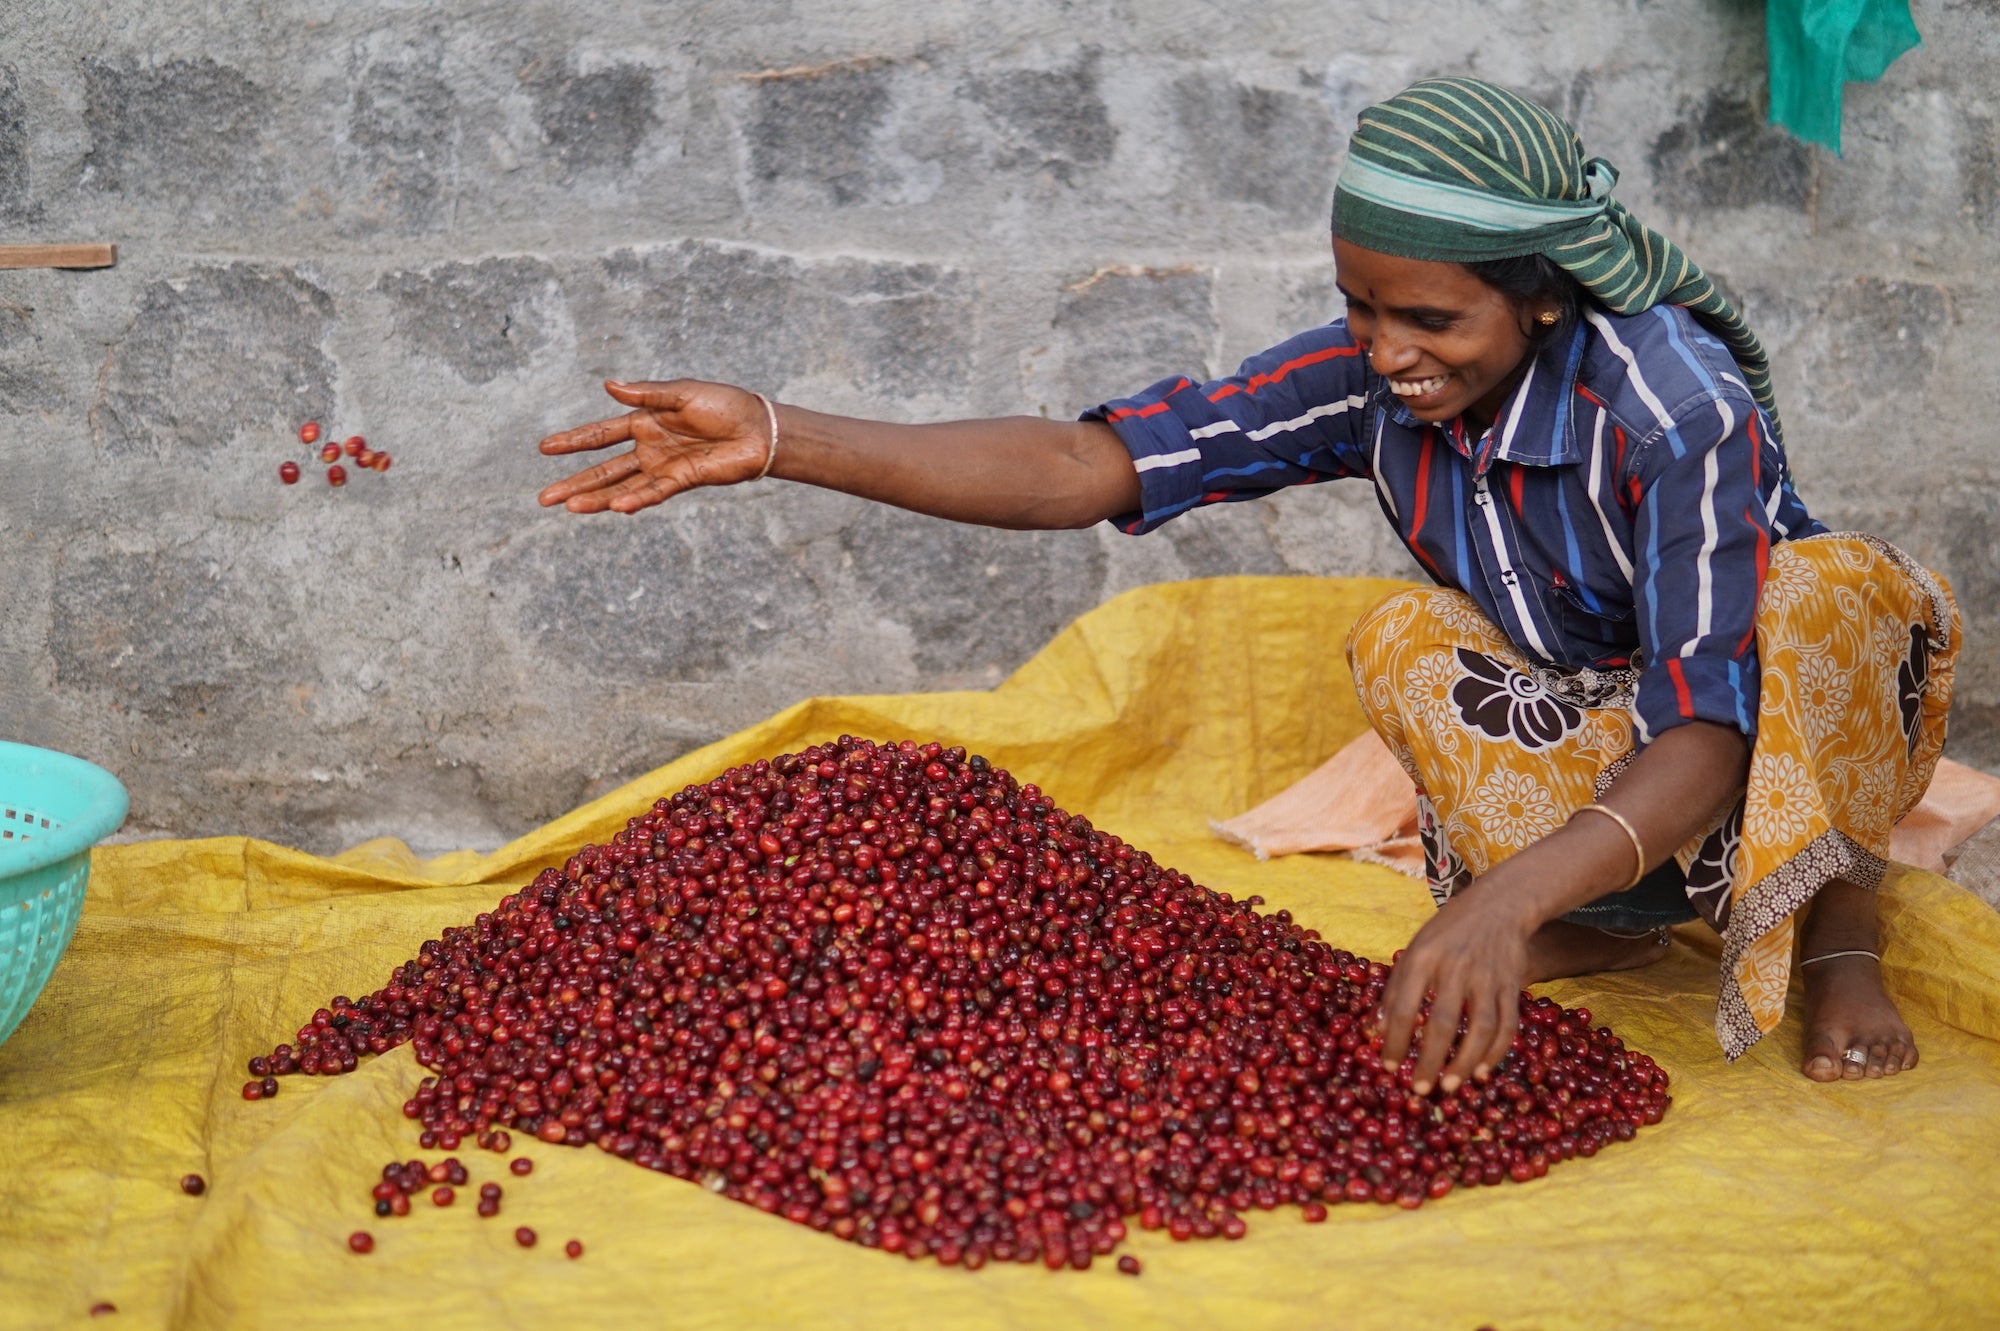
1856 643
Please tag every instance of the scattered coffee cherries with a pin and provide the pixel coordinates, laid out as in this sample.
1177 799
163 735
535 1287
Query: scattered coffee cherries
573 1249
525 1237
361 1241
355 448
194 1185
885 991
1129 1265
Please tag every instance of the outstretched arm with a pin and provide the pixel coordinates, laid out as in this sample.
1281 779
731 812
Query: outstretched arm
1021 472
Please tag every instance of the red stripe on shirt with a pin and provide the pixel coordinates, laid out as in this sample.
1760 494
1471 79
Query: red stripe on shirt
1151 409
1763 557
1514 479
1257 381
1589 396
1681 689
1422 504
1761 528
1632 495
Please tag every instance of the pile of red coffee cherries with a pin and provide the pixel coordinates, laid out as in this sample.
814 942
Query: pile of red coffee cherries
885 991
355 449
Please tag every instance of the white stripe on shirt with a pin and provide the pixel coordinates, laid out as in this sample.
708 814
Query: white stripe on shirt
1703 564
1514 592
1624 353
1519 397
1375 461
1158 460
1596 489
1297 422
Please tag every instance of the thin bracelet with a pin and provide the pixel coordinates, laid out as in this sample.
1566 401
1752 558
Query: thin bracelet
1638 848
771 453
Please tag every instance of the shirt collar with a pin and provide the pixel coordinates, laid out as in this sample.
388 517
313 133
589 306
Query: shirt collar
1534 426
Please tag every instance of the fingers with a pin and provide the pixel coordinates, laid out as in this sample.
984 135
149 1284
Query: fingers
639 492
598 434
1492 1018
599 477
646 397
651 395
1439 1029
1401 1002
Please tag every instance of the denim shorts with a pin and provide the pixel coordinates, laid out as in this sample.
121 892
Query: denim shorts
1660 898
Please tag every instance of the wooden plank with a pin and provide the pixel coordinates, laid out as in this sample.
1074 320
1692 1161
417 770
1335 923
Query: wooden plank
58 256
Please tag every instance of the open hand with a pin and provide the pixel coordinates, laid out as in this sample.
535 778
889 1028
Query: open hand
1474 958
684 434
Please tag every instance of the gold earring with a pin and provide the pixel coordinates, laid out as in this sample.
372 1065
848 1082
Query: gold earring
1547 318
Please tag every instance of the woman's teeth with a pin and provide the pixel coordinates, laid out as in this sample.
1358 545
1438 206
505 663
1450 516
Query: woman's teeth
1417 387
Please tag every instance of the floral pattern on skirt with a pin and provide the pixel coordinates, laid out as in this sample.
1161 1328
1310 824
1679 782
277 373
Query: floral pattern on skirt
1857 644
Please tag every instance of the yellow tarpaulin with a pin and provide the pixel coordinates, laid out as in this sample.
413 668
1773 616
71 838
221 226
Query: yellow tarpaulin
1763 1199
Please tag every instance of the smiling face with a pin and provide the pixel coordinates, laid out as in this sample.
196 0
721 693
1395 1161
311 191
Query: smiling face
1448 343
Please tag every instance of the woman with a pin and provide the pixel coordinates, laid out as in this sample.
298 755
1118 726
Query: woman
1649 686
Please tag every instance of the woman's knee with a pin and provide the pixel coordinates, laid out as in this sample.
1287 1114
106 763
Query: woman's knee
1395 625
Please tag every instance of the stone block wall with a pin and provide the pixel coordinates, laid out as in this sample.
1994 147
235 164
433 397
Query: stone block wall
439 227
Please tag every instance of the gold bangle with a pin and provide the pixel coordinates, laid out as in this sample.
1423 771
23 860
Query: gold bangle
1638 847
771 452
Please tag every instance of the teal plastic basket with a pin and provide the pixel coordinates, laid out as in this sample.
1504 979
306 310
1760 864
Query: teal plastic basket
53 809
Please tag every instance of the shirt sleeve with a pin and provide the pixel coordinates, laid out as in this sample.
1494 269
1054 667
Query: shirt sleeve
1288 416
1702 540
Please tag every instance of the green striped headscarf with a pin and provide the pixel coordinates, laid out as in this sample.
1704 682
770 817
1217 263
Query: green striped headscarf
1458 170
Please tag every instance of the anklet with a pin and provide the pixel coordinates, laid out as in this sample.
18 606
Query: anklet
1850 952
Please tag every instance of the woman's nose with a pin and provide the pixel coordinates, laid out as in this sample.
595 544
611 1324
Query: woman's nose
1389 355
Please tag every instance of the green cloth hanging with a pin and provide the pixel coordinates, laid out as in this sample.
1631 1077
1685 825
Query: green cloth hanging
1819 45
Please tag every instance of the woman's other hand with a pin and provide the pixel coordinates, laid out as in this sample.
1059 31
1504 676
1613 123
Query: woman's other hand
1473 956
684 434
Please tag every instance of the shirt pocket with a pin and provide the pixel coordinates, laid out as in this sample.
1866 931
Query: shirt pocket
1610 631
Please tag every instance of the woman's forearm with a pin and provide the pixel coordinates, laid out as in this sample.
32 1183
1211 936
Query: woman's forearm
1020 472
1670 792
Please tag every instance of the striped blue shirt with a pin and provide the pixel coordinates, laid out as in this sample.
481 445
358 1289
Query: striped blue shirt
1619 511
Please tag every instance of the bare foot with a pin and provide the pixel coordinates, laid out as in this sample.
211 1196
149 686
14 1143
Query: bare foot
1852 1027
1560 949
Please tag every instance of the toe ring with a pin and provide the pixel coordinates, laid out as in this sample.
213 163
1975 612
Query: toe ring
1857 1057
